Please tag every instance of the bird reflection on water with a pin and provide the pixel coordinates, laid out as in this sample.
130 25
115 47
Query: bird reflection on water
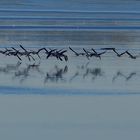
56 76
126 77
57 73
10 67
87 73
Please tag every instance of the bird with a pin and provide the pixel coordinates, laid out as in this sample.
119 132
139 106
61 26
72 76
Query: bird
131 56
114 50
107 48
74 51
50 53
87 54
98 54
14 53
26 53
77 54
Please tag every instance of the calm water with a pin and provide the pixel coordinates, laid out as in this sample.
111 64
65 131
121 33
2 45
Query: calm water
54 28
64 23
78 5
42 27
78 99
35 28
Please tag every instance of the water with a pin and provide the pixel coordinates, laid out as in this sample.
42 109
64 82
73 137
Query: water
79 5
78 99
64 28
77 29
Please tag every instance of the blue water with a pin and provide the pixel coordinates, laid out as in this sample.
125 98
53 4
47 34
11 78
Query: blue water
39 26
61 28
6 90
